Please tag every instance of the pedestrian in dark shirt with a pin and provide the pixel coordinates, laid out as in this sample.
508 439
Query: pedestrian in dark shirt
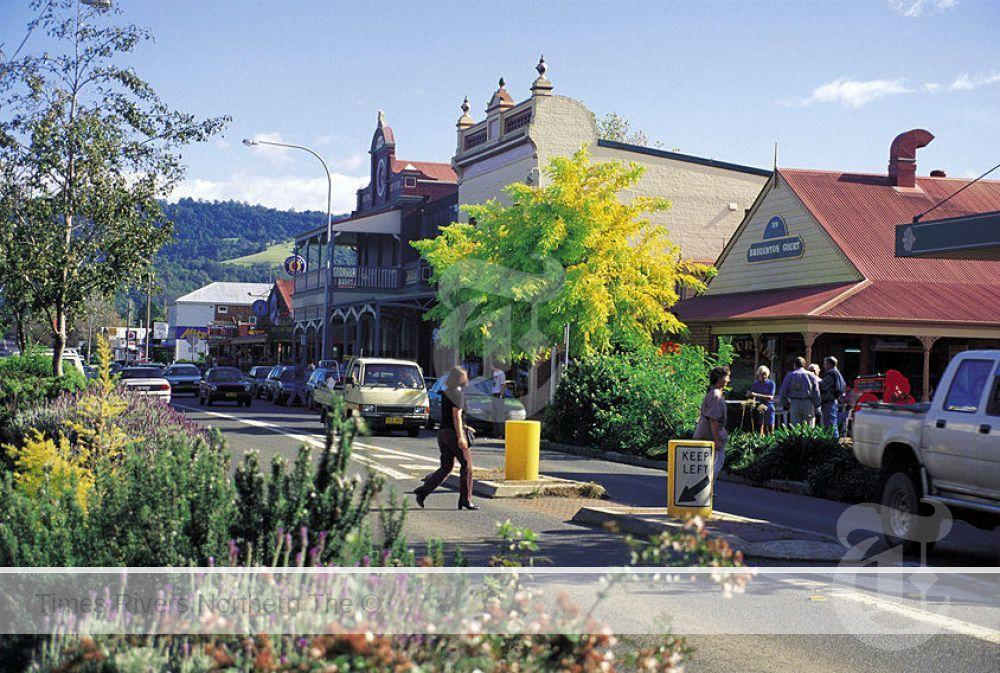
452 442
832 388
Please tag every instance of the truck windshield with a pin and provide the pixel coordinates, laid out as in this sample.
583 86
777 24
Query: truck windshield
393 376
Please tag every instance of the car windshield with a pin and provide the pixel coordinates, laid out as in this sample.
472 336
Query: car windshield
183 370
227 375
276 372
393 375
141 373
262 372
479 386
320 376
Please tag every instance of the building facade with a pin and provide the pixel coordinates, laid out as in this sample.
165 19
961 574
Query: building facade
377 284
516 141
267 339
812 271
210 314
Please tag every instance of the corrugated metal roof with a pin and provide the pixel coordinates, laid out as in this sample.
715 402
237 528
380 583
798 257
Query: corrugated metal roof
781 303
860 212
937 302
230 294
433 170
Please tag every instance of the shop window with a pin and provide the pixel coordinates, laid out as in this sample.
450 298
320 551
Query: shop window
967 387
411 182
223 310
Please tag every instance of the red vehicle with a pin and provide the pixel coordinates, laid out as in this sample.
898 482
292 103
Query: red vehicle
891 387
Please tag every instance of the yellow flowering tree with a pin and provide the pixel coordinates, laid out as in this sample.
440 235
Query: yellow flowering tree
570 252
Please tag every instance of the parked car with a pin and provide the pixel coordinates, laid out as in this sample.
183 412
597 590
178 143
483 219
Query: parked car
388 394
145 381
270 385
70 358
257 375
291 387
319 378
224 383
947 450
478 404
183 378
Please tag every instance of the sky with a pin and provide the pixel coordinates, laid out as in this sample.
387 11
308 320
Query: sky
831 82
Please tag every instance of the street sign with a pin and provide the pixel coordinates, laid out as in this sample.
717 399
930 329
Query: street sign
259 308
295 265
690 477
159 330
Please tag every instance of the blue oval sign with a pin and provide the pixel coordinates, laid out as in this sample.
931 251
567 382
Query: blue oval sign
295 265
259 308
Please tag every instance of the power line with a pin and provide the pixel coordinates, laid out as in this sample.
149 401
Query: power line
916 218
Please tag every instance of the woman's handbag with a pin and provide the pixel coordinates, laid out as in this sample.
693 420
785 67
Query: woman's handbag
470 434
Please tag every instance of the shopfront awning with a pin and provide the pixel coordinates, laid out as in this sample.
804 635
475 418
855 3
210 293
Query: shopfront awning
385 222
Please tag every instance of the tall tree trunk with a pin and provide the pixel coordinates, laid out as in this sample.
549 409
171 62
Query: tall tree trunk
22 333
58 340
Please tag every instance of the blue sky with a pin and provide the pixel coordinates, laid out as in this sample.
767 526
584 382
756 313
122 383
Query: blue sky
831 82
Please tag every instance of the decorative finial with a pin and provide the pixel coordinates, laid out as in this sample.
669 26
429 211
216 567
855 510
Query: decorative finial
465 120
502 83
381 118
465 105
541 86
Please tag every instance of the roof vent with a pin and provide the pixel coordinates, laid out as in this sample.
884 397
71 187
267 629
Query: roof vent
903 157
938 173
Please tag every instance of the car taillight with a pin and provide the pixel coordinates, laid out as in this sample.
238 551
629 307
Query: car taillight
164 386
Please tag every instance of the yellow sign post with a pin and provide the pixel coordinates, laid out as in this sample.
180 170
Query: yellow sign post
690 477
522 445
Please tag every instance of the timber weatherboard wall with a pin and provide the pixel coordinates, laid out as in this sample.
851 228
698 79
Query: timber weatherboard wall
821 261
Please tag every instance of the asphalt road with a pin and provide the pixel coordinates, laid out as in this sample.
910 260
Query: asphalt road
785 621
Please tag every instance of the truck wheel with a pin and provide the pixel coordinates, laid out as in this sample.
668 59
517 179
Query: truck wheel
413 431
906 521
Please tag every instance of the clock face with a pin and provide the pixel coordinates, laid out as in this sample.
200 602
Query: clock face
379 142
380 177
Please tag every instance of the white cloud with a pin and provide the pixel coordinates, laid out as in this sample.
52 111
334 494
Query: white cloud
930 87
221 144
914 8
285 193
279 156
350 164
965 82
851 93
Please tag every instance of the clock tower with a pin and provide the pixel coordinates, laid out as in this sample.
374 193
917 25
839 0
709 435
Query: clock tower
383 151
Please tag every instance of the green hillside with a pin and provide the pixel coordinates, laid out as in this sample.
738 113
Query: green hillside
273 257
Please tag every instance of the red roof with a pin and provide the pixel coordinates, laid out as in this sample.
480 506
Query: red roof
431 169
860 213
286 288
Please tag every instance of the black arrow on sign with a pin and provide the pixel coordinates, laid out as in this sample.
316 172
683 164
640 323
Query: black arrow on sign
689 492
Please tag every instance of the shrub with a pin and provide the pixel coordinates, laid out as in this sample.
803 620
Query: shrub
26 380
632 402
802 453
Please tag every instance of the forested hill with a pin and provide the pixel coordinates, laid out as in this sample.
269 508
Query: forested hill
222 230
208 233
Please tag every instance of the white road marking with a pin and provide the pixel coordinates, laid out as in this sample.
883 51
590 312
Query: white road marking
310 439
916 614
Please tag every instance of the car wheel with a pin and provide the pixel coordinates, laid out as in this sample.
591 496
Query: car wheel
413 431
247 403
430 424
906 521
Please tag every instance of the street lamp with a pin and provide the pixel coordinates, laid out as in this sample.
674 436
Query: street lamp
252 142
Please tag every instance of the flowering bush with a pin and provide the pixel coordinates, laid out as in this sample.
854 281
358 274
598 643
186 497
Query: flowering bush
632 402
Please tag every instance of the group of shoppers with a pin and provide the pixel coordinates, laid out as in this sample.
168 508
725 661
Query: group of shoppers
807 393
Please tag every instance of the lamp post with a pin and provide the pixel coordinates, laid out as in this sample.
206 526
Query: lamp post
251 142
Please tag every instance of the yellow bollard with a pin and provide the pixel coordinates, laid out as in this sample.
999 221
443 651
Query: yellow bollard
690 477
523 438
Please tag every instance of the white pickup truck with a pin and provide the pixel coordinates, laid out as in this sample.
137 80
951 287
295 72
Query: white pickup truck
947 450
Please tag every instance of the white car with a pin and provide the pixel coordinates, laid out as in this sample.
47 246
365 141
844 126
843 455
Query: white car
70 358
146 381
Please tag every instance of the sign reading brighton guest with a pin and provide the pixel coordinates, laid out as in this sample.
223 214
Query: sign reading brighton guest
777 244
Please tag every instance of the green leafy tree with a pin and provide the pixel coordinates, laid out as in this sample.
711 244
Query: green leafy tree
570 252
613 126
87 148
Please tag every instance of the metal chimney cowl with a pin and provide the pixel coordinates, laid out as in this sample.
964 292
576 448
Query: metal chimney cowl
903 157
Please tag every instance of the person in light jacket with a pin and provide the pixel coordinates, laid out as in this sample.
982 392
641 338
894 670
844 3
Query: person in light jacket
712 420
801 388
